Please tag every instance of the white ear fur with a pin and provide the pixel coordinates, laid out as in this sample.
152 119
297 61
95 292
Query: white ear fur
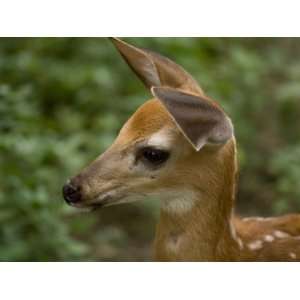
200 119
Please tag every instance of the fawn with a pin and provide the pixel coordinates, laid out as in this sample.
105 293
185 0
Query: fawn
180 147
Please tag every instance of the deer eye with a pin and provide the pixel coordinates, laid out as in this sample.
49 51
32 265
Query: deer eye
154 156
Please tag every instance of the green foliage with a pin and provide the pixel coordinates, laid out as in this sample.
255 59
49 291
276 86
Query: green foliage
62 102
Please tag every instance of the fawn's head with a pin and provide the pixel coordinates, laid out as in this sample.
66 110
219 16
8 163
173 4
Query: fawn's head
161 145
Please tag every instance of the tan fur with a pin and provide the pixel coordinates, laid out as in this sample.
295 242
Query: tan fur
148 119
202 233
206 228
197 189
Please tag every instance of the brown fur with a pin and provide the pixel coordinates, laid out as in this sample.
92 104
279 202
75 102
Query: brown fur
203 227
205 230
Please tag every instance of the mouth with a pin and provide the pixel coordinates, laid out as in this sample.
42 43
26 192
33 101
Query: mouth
99 202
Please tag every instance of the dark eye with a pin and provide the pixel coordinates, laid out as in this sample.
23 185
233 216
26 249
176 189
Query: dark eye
154 156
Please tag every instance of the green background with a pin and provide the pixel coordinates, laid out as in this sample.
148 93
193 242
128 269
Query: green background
62 102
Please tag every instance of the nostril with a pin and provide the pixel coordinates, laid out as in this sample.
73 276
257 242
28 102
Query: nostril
71 193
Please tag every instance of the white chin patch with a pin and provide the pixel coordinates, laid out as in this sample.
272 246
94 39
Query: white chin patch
177 202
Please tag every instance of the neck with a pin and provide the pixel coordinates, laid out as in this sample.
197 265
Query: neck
198 226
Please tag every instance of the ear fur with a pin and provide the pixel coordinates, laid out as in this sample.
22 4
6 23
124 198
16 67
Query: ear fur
200 119
154 69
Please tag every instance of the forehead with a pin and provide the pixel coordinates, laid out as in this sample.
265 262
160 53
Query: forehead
150 118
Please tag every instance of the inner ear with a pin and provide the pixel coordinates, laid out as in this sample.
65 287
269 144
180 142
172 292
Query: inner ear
200 119
154 69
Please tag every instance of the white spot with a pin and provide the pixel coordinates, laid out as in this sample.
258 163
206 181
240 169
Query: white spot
255 245
173 243
240 242
177 202
259 219
233 231
235 236
253 219
161 139
292 255
269 238
280 234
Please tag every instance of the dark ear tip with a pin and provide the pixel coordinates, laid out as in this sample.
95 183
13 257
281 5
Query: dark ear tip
122 46
119 44
116 41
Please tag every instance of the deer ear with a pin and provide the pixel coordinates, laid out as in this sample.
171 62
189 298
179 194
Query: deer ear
154 69
199 119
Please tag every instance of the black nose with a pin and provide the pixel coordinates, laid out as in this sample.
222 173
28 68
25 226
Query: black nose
71 193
